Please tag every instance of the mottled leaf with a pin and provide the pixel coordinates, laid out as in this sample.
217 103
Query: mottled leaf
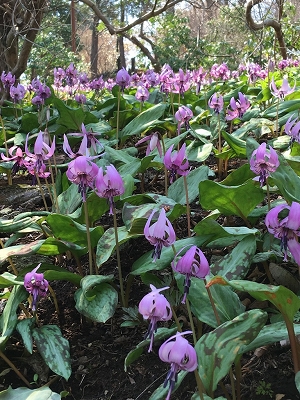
22 393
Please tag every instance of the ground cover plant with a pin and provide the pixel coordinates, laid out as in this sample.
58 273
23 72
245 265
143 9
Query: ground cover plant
197 173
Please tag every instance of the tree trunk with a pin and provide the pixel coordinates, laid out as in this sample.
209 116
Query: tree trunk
94 48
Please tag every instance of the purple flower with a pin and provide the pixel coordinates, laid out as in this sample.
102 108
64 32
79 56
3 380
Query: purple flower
155 307
71 75
238 107
17 156
283 91
263 162
182 116
37 101
80 98
159 234
216 103
59 76
283 222
82 171
92 141
176 163
122 78
221 72
42 152
8 79
109 185
36 285
181 355
43 91
97 84
181 82
199 77
17 93
82 151
154 142
292 128
142 94
192 264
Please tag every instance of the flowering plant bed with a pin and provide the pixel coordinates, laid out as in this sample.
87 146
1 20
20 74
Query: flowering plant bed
161 257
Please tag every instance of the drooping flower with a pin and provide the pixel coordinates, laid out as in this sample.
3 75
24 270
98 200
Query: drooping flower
154 143
181 82
263 162
17 155
182 116
192 264
159 234
176 162
82 151
17 93
238 107
292 128
122 79
283 90
142 94
82 171
71 75
92 141
80 98
36 285
216 103
109 185
154 307
7 79
41 152
181 355
283 221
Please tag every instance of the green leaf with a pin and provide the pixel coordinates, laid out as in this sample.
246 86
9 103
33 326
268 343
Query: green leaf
69 200
161 392
236 264
143 121
297 381
177 190
102 305
239 176
236 144
22 393
24 327
218 349
54 349
230 200
7 279
134 354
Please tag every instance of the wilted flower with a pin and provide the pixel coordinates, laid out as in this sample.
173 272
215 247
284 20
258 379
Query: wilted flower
109 185
283 91
122 78
17 156
159 234
292 128
36 285
238 107
216 103
181 355
155 307
283 222
142 94
182 116
263 162
192 264
82 171
154 142
177 162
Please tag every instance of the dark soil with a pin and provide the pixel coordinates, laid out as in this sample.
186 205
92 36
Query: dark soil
98 350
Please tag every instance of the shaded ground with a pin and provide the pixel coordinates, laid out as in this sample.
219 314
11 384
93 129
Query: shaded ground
98 351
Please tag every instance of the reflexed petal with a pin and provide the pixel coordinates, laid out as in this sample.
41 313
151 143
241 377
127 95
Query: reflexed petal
293 221
272 222
294 247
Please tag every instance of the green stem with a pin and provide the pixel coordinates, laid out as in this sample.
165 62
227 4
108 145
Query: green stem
268 194
88 237
188 211
118 118
119 259
220 161
41 191
165 169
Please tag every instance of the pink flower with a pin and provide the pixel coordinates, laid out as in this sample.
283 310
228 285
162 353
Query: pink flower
263 162
82 171
283 91
292 128
109 185
176 162
155 307
216 103
181 355
142 94
159 234
92 141
154 142
36 285
122 79
283 222
182 116
238 107
17 156
193 263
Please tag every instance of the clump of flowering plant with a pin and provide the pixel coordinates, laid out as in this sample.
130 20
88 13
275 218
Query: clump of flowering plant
181 355
154 307
36 285
159 234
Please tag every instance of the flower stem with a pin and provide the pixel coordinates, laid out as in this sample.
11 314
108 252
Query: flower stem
12 366
88 237
119 259
268 194
188 211
220 161
42 191
165 169
295 348
118 117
